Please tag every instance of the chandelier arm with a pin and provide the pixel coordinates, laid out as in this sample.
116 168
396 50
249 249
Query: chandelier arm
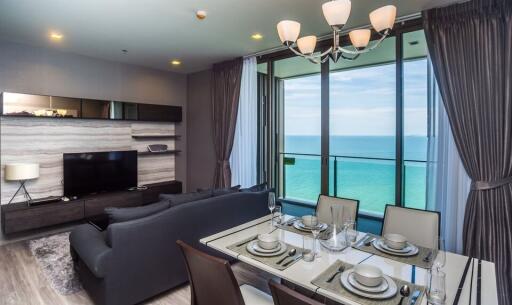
315 61
365 50
350 58
326 52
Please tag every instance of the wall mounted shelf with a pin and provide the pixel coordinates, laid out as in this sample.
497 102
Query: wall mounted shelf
57 107
167 152
155 136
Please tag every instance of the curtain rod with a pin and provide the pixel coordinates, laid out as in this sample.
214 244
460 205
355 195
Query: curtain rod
329 36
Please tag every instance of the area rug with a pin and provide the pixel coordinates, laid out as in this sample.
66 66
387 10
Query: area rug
53 257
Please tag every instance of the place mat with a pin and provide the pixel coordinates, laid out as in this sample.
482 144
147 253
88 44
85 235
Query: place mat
326 234
241 248
416 260
335 287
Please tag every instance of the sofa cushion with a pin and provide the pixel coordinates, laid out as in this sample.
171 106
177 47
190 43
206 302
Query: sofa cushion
177 199
255 188
116 215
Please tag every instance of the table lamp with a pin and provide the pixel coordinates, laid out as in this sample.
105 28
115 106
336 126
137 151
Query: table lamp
21 172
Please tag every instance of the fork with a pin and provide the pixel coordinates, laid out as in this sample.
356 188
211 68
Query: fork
340 270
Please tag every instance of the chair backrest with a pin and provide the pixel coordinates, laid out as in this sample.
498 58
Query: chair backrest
421 227
323 208
211 279
283 295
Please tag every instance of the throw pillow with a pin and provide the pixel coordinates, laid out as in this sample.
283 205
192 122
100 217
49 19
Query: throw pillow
116 215
220 192
177 199
255 188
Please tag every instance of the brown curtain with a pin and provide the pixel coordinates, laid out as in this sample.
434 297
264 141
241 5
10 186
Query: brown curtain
227 77
471 49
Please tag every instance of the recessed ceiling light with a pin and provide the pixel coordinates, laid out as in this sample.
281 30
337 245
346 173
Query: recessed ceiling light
175 62
56 36
257 36
201 14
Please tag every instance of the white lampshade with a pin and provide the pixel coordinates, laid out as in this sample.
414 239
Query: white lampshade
288 30
21 171
337 12
383 18
307 44
360 38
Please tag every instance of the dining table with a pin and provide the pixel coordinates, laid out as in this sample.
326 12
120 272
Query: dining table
469 281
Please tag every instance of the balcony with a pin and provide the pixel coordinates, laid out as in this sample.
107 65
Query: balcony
370 180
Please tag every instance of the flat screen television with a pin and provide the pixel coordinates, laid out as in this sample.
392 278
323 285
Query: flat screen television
95 172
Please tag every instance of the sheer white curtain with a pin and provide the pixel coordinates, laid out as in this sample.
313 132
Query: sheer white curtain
447 181
244 153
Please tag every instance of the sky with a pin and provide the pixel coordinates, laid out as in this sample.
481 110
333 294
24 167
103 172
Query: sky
362 102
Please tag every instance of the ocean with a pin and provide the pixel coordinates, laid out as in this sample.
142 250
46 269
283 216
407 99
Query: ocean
358 176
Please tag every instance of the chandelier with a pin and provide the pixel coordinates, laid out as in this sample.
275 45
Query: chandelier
336 14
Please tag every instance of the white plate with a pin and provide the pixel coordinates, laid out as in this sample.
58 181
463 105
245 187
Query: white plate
389 293
259 249
250 249
299 225
377 289
409 250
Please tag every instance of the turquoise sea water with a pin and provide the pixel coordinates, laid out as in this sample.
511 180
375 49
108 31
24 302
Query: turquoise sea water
372 181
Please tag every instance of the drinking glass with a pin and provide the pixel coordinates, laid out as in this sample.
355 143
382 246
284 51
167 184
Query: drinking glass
350 232
278 214
309 246
440 259
272 205
436 287
316 231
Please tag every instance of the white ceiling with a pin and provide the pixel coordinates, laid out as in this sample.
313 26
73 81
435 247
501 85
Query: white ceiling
155 31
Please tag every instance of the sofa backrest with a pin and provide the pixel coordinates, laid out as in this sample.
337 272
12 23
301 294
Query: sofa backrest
145 254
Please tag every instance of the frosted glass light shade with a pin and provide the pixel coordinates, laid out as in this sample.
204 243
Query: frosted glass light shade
307 44
360 38
21 171
337 12
383 18
288 30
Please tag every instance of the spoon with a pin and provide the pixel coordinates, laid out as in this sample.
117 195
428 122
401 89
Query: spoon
290 254
404 292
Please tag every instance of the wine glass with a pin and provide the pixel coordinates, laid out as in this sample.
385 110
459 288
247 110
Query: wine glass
272 205
440 259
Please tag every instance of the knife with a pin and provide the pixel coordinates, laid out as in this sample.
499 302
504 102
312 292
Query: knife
415 296
291 221
427 258
293 260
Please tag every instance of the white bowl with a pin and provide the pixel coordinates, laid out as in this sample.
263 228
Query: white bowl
310 220
267 241
368 275
395 241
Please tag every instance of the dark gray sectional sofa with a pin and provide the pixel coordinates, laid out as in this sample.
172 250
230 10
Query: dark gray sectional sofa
134 260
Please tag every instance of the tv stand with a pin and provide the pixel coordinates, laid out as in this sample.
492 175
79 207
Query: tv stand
18 217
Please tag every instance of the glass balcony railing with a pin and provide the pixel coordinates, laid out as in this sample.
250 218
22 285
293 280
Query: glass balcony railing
369 180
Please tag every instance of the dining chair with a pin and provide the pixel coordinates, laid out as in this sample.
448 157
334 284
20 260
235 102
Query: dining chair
323 208
283 295
421 227
212 281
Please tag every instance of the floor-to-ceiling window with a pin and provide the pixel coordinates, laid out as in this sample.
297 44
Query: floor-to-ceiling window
362 129
415 114
374 145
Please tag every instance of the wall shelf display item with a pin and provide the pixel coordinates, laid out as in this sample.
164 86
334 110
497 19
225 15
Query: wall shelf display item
31 105
166 152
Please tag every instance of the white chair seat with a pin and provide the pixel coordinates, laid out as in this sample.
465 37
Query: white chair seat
253 296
